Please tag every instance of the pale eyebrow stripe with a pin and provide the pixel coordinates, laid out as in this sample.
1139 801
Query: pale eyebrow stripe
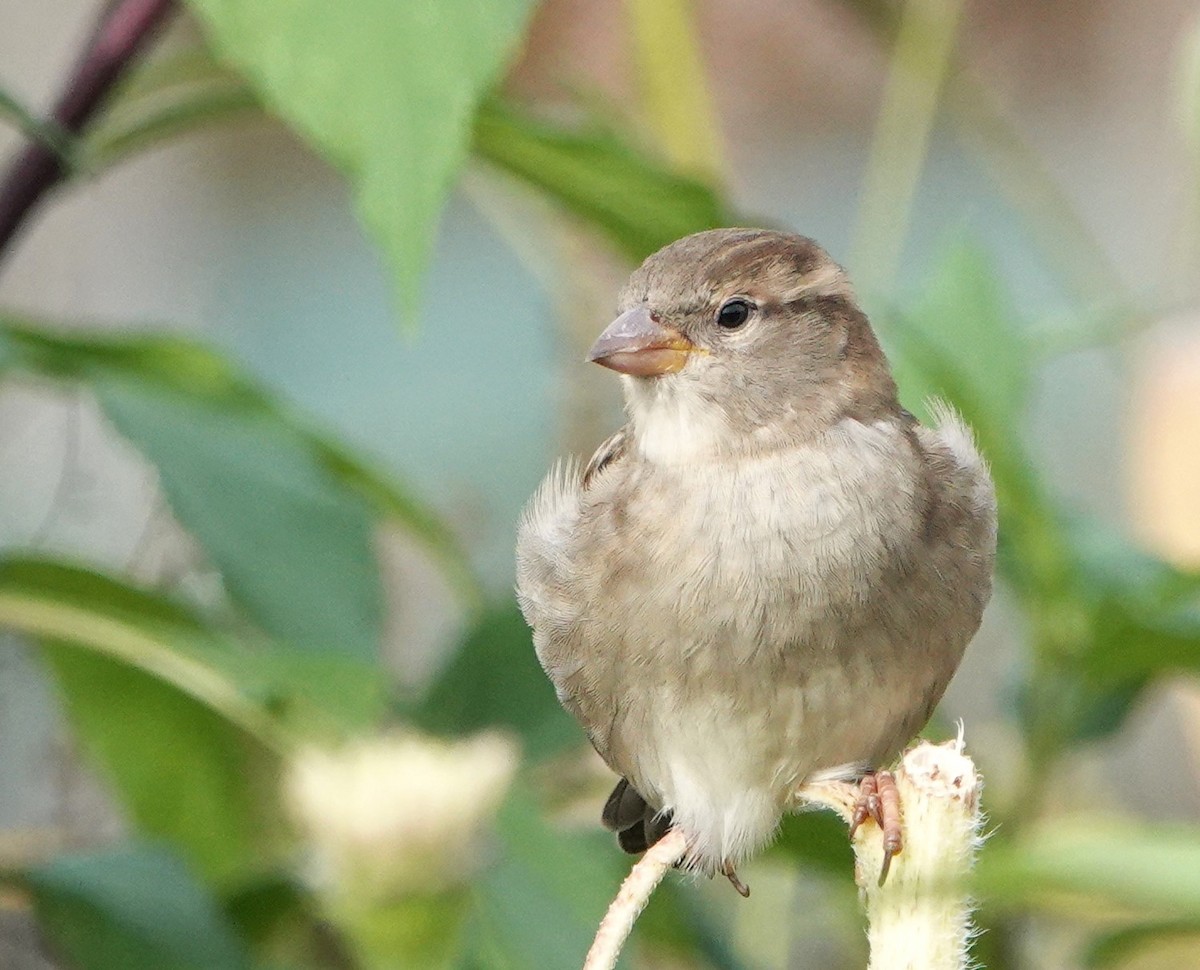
830 280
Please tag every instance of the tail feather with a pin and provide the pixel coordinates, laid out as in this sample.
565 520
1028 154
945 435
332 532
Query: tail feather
638 824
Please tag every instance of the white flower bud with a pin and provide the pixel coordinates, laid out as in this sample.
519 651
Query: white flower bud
400 814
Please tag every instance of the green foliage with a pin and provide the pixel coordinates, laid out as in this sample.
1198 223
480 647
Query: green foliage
627 194
182 722
537 907
384 90
1153 869
493 680
209 803
1113 949
190 717
136 907
287 516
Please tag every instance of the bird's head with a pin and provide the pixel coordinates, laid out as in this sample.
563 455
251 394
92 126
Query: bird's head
741 338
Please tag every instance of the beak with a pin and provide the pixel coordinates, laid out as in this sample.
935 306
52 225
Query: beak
637 343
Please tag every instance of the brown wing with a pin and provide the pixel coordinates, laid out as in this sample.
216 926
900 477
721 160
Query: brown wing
613 449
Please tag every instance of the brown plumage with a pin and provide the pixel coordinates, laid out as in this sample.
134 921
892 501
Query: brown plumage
772 571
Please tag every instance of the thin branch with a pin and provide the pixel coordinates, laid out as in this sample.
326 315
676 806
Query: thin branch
631 899
122 32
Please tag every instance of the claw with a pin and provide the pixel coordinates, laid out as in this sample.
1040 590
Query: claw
867 805
879 800
729 873
889 821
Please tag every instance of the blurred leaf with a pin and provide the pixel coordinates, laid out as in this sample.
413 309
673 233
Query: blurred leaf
183 773
136 907
282 923
161 98
262 688
818 840
960 341
676 921
1147 868
633 198
384 90
64 604
48 133
286 515
541 902
114 143
180 721
1147 613
420 930
1111 563
494 680
294 546
1113 949
1133 645
920 60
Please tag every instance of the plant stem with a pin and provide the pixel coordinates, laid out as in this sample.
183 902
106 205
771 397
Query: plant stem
122 31
631 899
675 91
923 52
1020 173
921 917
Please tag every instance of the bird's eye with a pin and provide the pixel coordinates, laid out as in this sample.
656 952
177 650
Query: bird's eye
734 313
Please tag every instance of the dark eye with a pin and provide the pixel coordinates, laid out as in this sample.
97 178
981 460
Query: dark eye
734 313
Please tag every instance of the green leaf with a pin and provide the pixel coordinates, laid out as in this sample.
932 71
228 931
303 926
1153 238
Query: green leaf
136 907
294 546
1114 949
676 921
423 930
633 198
51 135
816 840
1153 869
384 90
959 340
494 680
181 722
286 515
284 925
1147 613
263 688
183 772
183 115
161 98
540 904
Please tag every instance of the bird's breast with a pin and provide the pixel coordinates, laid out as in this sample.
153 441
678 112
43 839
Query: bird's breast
763 546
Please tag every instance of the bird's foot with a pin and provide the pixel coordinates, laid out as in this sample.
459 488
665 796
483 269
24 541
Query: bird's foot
878 799
730 873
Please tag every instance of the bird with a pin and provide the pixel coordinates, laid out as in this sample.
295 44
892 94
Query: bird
770 574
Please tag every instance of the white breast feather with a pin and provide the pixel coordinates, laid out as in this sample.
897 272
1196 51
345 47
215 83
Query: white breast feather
673 426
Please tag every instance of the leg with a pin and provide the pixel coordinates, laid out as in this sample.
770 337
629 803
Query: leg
879 800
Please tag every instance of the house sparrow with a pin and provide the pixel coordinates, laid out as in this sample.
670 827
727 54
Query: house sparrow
770 574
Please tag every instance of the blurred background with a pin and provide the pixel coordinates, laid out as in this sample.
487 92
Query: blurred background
300 326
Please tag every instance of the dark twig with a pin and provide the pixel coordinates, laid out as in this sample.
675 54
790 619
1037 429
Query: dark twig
123 30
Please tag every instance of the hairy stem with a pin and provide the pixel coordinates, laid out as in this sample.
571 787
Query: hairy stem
920 917
123 30
635 892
